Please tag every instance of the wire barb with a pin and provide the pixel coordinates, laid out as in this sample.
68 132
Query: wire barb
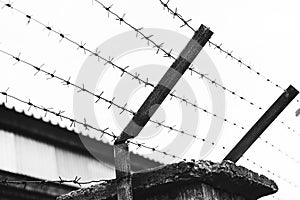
121 19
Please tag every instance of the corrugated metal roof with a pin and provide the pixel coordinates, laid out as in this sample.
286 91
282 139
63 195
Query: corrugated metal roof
54 134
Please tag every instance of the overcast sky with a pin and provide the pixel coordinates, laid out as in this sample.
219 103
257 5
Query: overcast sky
264 34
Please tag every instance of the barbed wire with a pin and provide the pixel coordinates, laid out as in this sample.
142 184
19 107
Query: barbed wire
186 23
67 82
228 53
168 54
216 46
81 45
75 181
123 70
105 131
86 125
108 61
204 76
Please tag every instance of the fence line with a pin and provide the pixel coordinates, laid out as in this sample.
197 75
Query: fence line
81 45
168 54
134 76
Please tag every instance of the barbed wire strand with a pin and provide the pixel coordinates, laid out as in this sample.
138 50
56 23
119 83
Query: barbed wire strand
75 181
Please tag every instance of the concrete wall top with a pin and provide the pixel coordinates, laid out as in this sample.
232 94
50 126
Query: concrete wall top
225 176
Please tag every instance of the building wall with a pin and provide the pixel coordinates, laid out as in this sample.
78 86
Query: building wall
23 155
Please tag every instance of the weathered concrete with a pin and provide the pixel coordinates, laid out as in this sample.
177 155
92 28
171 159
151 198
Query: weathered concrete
203 180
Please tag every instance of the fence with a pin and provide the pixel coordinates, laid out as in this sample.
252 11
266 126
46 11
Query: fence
124 71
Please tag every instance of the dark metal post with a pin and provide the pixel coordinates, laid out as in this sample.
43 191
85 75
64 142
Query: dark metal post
262 124
151 104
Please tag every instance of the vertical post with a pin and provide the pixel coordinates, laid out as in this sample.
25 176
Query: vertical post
262 124
123 170
152 103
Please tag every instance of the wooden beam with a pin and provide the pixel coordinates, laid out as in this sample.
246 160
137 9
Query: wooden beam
166 84
262 124
150 105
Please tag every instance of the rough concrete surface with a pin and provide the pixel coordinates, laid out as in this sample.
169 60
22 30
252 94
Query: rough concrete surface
225 176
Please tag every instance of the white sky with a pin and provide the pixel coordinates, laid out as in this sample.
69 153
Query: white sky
264 34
